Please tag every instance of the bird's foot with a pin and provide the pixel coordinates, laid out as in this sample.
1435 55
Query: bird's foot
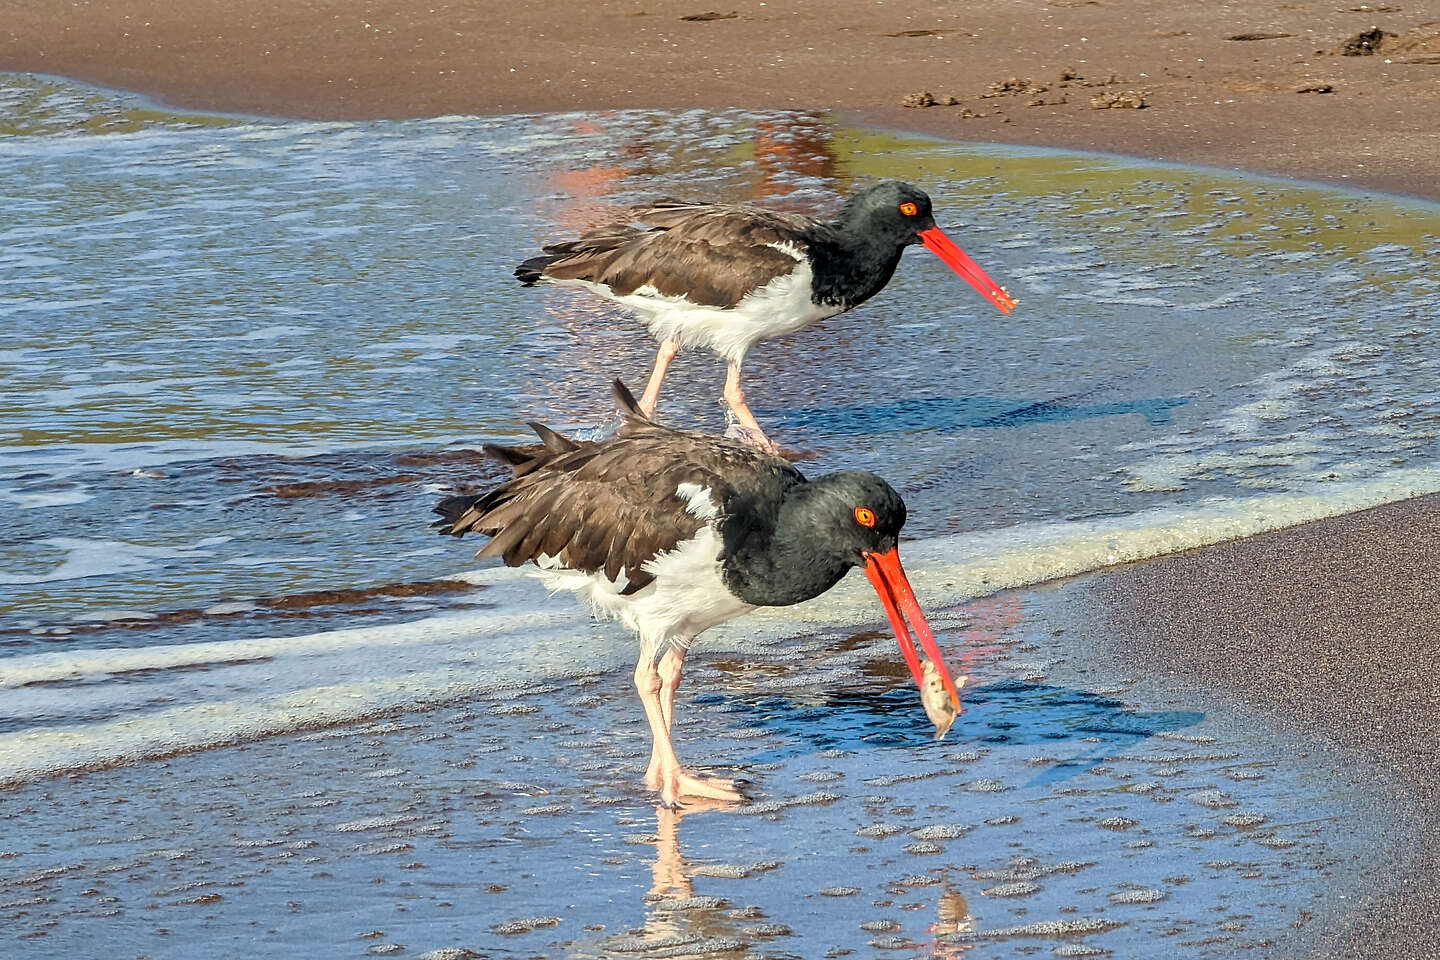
681 784
738 431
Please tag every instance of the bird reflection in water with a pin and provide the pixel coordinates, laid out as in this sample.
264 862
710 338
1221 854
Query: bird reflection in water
790 150
704 929
952 915
672 880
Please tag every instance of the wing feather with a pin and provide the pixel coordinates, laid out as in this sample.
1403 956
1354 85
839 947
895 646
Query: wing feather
585 551
559 535
612 505
528 548
503 543
711 254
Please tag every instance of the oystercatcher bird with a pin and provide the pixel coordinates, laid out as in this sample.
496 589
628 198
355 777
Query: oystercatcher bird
675 531
727 277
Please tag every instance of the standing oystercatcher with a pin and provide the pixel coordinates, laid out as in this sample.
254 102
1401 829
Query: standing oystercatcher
675 531
726 277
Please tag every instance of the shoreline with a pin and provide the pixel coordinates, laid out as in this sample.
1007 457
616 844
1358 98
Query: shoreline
902 831
1219 87
1322 628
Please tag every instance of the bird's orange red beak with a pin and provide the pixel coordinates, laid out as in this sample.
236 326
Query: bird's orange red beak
888 578
956 259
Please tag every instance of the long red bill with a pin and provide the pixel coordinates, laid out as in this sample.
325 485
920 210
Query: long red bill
888 578
956 259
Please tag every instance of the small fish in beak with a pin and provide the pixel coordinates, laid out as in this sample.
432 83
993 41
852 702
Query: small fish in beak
939 695
939 705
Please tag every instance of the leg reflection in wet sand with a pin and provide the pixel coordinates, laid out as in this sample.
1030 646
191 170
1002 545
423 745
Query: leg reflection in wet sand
952 915
676 916
673 911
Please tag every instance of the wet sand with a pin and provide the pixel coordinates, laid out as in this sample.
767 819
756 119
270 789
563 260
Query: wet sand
1258 86
1325 627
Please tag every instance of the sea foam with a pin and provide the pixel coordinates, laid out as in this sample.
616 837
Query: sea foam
67 711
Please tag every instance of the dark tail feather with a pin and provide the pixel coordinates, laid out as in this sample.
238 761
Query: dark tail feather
629 407
451 509
520 460
552 440
525 460
531 271
587 251
510 456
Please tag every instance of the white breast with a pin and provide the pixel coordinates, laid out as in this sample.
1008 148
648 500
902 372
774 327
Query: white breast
779 307
688 595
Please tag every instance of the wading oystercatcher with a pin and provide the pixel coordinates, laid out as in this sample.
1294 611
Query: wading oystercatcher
726 277
675 531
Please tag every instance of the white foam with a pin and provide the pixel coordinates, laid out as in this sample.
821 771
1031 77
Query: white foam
94 558
232 691
57 498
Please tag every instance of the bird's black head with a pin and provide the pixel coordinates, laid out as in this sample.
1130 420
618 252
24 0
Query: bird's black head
877 224
851 514
889 212
819 531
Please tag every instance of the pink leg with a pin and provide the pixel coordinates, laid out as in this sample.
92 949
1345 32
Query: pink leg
669 672
735 400
663 357
657 695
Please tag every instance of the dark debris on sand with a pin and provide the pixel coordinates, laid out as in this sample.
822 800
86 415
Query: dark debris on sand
1120 100
1364 43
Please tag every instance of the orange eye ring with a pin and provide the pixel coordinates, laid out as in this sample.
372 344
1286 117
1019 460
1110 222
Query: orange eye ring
865 516
909 209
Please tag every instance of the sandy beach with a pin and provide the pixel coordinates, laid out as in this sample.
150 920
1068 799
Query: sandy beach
1325 629
1256 86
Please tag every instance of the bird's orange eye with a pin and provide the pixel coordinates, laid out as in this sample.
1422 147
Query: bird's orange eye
909 209
865 516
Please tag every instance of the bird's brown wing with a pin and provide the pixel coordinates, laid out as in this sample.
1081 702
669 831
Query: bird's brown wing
611 505
707 253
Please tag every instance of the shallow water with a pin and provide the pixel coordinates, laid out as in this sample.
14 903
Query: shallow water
1078 812
233 347
242 358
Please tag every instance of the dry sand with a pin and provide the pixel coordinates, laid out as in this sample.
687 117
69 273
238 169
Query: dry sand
1328 626
1219 81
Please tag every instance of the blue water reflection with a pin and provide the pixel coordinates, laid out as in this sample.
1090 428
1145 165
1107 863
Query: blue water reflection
962 413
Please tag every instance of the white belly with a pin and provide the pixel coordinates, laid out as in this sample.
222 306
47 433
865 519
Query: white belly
687 597
782 306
